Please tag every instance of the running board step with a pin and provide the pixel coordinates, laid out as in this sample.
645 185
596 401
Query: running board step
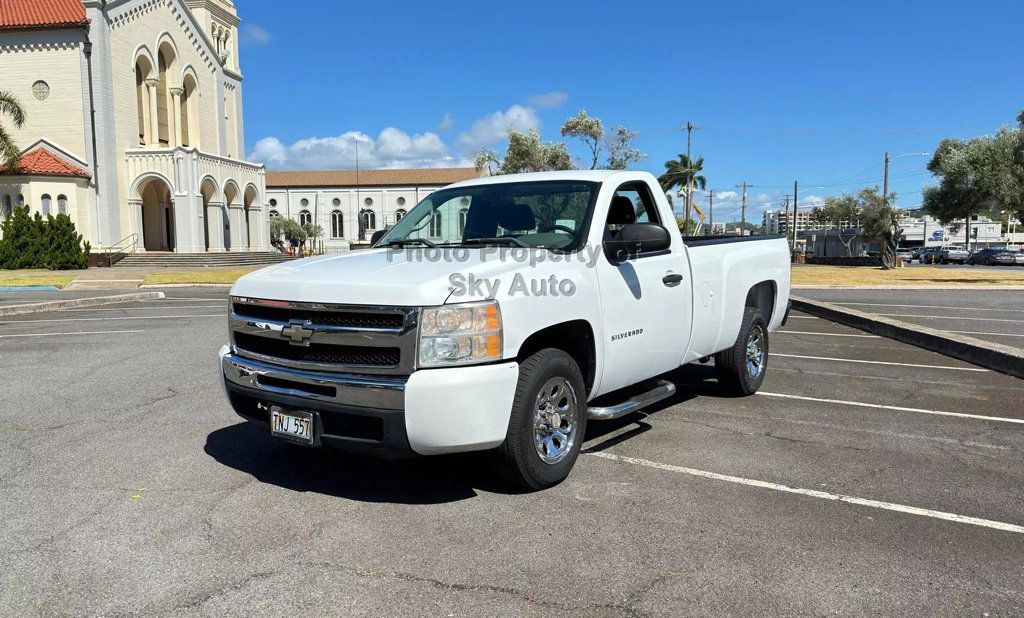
663 389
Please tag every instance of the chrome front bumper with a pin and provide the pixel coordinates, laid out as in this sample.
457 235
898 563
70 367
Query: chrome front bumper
361 391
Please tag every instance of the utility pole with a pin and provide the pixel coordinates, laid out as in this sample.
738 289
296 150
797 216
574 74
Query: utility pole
743 208
689 181
885 181
785 214
795 202
711 212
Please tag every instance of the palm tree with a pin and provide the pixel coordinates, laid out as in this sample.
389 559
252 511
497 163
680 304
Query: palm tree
8 149
683 174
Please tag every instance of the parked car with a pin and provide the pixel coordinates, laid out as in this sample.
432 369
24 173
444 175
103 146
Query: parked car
915 253
905 254
993 256
953 253
390 351
929 255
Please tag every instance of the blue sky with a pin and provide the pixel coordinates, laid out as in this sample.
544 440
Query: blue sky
782 91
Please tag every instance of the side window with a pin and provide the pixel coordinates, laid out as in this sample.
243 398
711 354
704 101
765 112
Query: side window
632 203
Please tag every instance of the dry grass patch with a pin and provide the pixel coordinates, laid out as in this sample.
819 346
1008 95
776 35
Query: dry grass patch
869 275
207 275
34 277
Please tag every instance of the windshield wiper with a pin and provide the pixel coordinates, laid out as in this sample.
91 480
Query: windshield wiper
402 242
497 240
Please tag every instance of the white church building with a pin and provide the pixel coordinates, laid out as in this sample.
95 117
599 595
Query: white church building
134 122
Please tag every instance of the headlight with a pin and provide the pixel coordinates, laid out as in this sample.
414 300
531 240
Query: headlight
460 334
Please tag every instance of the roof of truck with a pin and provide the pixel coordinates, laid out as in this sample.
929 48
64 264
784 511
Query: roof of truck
583 175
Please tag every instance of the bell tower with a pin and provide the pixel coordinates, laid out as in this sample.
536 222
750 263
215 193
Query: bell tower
220 22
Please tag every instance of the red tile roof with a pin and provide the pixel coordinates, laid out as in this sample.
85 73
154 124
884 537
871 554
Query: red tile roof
16 14
42 162
370 178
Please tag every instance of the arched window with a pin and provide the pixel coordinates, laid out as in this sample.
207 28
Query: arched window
462 220
62 204
45 204
7 205
273 214
305 217
399 214
337 225
21 200
435 224
369 219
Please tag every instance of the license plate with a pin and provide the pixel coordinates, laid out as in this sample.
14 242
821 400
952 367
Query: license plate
292 425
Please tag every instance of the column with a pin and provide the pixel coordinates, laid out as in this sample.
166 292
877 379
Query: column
236 214
215 226
175 122
154 120
135 221
252 216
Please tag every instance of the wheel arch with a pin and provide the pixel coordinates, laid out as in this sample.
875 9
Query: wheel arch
762 296
574 337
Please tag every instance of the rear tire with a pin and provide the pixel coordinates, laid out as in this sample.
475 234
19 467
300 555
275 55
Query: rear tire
741 368
548 422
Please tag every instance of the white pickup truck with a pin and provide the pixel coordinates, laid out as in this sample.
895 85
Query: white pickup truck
501 314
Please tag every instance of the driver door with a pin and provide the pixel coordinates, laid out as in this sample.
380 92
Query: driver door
646 300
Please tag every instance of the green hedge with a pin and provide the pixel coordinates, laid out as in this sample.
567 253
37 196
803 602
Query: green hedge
35 242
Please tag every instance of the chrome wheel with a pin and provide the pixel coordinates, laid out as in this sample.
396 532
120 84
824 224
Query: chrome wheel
555 419
755 352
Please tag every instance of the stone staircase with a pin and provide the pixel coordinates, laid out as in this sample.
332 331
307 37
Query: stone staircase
201 260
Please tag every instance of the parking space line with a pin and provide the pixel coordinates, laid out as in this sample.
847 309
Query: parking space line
871 362
945 317
972 332
802 332
173 308
927 307
815 493
80 332
128 317
980 417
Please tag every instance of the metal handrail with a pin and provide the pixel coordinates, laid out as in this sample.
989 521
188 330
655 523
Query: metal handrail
127 245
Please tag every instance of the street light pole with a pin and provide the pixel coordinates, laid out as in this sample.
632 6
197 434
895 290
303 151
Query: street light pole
885 181
795 201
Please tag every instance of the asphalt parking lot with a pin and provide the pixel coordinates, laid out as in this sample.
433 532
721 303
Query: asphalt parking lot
991 315
868 476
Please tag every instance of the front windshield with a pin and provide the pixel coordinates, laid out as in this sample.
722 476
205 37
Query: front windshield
546 214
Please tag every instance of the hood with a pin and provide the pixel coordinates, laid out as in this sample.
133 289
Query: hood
371 277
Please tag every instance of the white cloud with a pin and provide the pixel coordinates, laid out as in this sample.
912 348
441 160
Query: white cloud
252 33
393 148
549 99
726 196
446 123
490 129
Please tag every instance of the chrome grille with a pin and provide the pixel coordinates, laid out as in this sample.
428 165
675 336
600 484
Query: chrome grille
326 337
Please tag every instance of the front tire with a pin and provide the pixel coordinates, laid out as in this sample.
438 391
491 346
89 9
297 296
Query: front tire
741 368
548 422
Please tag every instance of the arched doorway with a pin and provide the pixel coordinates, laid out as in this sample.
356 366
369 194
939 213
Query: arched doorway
157 215
250 237
230 201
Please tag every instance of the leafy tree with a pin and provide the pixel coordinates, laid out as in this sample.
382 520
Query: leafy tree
63 245
8 149
526 153
841 213
687 227
589 129
622 151
880 222
312 232
981 174
284 230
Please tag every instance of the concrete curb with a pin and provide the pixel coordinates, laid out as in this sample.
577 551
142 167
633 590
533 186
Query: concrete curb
76 303
186 285
995 356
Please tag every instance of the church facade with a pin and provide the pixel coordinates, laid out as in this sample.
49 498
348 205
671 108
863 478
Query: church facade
134 122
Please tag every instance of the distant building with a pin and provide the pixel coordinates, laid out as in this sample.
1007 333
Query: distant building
780 221
350 206
134 122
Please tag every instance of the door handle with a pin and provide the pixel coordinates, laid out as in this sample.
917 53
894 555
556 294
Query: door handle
671 279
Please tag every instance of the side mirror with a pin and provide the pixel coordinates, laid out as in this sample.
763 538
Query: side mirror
636 238
377 236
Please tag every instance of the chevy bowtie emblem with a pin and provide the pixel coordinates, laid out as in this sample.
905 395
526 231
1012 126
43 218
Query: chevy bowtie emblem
297 333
